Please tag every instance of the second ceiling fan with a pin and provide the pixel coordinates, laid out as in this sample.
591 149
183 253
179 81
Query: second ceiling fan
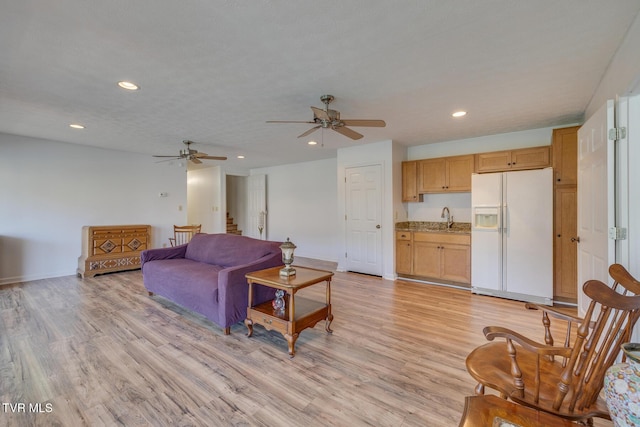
192 155
326 118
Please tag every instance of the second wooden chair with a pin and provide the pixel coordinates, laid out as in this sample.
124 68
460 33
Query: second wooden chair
182 234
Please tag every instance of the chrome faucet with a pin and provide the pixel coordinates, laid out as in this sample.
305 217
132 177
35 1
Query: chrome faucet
448 216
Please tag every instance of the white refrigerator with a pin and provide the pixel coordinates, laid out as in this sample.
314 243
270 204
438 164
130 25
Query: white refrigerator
512 235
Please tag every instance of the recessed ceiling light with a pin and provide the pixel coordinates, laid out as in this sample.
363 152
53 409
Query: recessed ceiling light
459 114
241 156
128 85
76 126
312 143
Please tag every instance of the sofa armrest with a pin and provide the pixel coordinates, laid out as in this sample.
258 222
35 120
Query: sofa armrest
162 253
233 290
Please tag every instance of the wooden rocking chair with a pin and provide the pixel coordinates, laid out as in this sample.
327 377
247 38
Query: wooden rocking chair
182 234
568 384
623 282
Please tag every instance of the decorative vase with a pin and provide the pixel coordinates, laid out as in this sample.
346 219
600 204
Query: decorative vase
622 388
278 302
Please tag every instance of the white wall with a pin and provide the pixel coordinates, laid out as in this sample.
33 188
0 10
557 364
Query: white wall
459 204
302 205
623 73
622 79
205 196
49 190
482 144
633 184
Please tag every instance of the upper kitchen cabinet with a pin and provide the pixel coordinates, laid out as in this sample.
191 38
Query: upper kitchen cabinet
410 182
445 174
565 155
523 158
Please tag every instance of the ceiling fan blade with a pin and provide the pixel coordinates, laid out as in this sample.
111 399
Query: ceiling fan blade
289 121
212 157
347 132
168 160
320 113
313 129
369 123
195 160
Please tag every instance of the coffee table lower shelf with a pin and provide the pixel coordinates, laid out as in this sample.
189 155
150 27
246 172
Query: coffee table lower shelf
308 313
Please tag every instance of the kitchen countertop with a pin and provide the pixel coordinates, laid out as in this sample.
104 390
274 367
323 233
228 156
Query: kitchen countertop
434 227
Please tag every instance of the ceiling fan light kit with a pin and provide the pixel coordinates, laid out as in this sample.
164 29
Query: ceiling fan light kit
326 118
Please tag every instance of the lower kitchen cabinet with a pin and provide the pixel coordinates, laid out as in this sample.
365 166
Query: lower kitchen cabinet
403 252
437 256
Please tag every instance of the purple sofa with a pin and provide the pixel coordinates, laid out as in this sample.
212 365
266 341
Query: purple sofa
207 274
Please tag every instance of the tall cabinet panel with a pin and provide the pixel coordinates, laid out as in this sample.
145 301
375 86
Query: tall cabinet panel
410 182
565 258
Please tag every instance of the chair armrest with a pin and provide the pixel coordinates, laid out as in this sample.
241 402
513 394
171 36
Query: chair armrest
559 314
162 253
492 332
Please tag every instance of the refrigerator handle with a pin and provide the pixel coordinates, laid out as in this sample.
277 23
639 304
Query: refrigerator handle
503 218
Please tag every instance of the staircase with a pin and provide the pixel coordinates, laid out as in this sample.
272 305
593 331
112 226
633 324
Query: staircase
231 227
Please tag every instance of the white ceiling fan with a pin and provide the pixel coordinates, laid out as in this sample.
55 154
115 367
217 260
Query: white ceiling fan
192 155
326 118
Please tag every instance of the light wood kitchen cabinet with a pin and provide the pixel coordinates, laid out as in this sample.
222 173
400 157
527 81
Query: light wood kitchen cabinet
565 155
410 182
445 174
510 160
565 246
404 257
426 259
565 223
435 256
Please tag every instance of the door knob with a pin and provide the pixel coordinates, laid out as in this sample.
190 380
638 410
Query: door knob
575 239
378 226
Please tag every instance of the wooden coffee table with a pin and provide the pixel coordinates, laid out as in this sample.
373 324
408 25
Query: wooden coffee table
300 313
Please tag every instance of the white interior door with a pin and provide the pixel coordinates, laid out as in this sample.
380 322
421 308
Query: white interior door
596 199
364 219
257 206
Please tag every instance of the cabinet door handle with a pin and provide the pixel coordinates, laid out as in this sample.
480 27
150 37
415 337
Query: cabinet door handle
575 239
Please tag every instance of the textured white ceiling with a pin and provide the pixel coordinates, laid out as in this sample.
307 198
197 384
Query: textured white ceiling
214 71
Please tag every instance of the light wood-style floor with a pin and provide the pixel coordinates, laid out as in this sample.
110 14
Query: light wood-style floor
100 351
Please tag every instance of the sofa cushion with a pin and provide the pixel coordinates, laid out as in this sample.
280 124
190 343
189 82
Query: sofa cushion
228 249
193 284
